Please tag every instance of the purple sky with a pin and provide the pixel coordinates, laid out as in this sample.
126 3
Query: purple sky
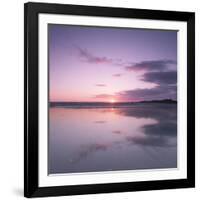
111 64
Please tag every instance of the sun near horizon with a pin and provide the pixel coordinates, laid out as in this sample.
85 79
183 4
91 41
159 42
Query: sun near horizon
112 100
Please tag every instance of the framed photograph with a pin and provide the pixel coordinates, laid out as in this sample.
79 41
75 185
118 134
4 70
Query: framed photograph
109 99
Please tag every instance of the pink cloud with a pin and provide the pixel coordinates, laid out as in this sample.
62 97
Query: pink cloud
100 85
117 75
90 58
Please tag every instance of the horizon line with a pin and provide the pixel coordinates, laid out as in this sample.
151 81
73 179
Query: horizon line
112 102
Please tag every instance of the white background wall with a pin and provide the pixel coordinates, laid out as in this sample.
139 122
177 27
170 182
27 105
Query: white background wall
11 98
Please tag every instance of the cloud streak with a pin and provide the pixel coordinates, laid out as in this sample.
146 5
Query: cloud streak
152 65
90 58
117 75
100 85
158 92
160 78
104 96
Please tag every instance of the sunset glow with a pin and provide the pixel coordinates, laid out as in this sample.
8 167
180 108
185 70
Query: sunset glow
97 64
112 100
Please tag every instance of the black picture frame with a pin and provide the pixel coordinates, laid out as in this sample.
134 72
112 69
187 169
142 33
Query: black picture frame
31 170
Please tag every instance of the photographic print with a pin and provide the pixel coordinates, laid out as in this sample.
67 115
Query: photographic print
112 99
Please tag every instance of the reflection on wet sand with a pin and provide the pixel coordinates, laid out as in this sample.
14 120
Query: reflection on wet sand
136 137
87 150
117 132
159 134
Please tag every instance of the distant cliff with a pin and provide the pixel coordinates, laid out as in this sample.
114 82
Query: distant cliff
159 101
